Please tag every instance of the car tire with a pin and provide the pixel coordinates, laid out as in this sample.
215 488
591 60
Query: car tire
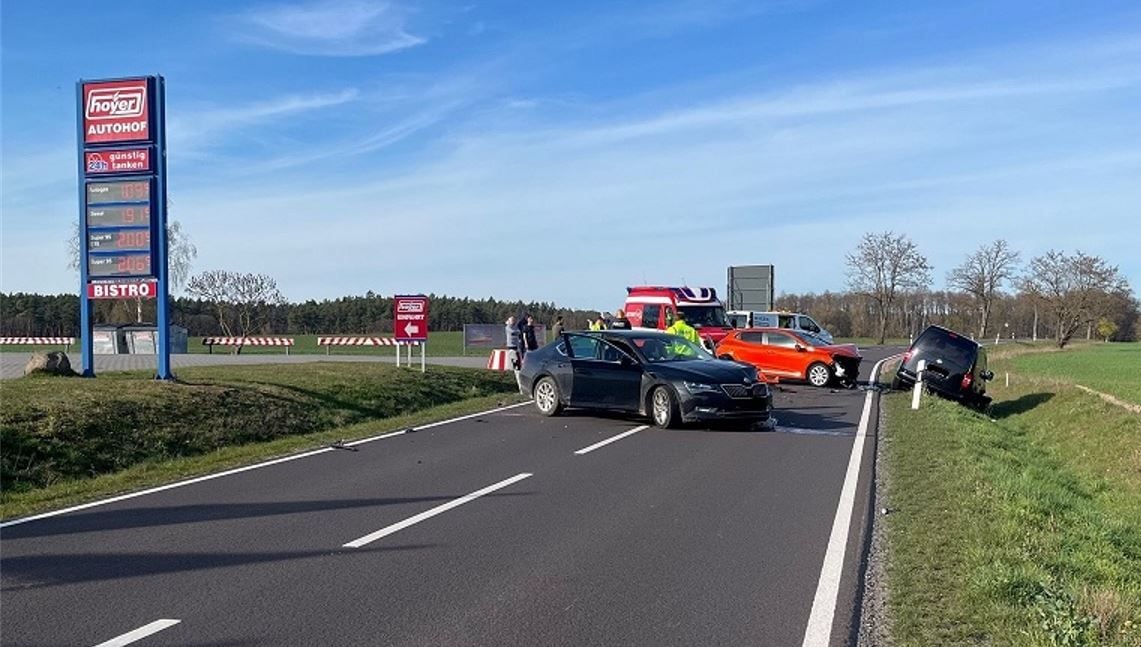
663 407
897 384
818 374
546 396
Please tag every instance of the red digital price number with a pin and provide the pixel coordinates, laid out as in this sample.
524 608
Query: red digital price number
131 215
140 264
135 190
133 239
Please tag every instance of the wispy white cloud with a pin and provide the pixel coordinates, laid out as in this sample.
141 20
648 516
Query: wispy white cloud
192 128
330 28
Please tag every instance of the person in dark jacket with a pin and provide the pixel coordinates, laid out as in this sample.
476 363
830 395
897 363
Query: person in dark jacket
530 342
620 322
557 328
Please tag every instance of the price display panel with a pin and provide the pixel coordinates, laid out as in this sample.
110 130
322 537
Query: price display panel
123 240
123 216
120 191
105 265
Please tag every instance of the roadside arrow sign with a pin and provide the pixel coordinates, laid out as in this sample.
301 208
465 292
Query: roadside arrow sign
410 317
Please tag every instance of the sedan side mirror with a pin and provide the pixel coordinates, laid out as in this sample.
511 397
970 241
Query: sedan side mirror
801 348
626 360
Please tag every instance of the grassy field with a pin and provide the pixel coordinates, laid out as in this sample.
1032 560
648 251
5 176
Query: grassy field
1109 368
1023 528
59 434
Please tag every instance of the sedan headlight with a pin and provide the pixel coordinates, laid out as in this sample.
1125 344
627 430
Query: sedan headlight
698 387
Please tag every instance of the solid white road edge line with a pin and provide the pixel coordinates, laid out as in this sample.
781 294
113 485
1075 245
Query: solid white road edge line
818 633
140 633
428 514
442 422
238 470
587 450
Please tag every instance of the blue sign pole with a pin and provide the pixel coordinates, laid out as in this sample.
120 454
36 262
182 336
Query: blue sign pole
86 343
162 305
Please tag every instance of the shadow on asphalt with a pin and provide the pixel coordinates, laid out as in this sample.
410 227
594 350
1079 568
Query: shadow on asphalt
42 571
108 520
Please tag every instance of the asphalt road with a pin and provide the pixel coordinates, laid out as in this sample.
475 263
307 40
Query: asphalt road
679 537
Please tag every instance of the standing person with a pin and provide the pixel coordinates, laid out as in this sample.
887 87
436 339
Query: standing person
557 328
620 322
511 334
682 329
530 342
599 323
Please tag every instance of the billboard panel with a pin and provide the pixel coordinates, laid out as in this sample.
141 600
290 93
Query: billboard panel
751 287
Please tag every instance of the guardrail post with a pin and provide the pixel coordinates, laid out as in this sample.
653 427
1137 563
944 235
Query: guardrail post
423 349
918 384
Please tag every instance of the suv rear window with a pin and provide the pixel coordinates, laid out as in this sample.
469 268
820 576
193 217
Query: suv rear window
953 349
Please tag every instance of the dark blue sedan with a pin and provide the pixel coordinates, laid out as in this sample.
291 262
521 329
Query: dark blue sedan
654 374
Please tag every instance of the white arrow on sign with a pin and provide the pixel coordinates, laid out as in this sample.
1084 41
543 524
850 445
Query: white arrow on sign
411 329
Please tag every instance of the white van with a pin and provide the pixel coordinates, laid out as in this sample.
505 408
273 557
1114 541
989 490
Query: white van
791 320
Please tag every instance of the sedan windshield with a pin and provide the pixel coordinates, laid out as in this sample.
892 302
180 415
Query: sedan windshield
699 316
668 349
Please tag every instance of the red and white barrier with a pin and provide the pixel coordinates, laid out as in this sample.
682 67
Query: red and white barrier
38 341
329 342
502 359
364 341
247 341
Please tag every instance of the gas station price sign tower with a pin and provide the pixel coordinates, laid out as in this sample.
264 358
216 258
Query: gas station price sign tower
121 128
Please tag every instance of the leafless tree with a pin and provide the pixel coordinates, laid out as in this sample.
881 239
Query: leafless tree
241 301
253 296
1073 288
884 265
982 275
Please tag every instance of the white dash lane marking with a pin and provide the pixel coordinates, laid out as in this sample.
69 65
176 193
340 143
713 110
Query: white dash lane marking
587 450
818 633
428 514
140 633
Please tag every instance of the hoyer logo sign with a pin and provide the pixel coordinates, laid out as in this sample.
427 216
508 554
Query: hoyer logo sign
115 111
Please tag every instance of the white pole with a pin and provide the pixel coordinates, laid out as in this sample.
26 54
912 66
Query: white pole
422 350
918 384
398 354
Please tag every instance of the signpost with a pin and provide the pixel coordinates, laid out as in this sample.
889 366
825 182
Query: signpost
122 202
410 323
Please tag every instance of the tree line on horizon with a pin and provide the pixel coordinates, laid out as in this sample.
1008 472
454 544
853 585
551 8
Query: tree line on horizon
1056 296
36 315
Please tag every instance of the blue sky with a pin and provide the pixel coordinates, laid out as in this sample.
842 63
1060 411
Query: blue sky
562 151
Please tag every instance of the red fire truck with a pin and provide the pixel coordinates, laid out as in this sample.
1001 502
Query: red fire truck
656 307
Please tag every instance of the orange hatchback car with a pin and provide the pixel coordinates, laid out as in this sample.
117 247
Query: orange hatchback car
786 354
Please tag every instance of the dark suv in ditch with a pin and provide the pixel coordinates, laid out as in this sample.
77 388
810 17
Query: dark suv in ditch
955 367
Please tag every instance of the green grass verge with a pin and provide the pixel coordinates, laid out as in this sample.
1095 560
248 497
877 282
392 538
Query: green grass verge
57 429
1110 368
1021 530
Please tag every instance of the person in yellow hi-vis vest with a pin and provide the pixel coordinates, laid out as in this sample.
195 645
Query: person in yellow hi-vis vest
682 329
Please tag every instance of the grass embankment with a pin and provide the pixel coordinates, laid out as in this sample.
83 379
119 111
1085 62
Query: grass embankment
68 439
1024 529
